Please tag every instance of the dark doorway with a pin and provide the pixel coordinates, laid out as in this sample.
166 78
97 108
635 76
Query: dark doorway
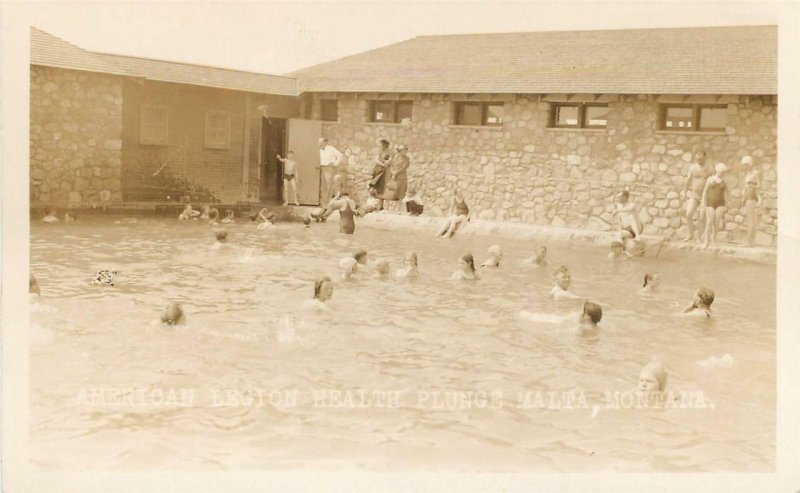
273 138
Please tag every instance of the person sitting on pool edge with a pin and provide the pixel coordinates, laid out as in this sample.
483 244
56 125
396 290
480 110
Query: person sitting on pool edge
495 254
409 268
458 214
651 282
590 316
562 281
466 268
173 314
701 303
413 201
540 259
627 213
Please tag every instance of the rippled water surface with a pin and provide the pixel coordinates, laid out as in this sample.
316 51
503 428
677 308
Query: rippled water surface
179 391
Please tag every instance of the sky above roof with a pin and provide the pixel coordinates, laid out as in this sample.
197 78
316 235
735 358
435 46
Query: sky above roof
279 37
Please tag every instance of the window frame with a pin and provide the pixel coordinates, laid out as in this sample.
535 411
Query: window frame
329 102
582 122
395 104
483 107
696 113
208 142
144 137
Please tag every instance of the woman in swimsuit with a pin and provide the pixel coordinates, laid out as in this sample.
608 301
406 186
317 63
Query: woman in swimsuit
714 199
347 210
459 213
752 198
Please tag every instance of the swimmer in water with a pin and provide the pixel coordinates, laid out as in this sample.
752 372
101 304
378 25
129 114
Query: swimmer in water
188 213
307 222
466 268
701 303
210 213
653 378
349 265
562 281
221 237
50 215
228 219
173 314
590 316
382 269
33 285
69 218
540 259
651 282
409 268
618 251
495 254
323 290
267 219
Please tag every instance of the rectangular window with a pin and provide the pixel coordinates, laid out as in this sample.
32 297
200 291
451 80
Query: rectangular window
579 115
153 123
391 111
690 117
329 110
218 130
479 114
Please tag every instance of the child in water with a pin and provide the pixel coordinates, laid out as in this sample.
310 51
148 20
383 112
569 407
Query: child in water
210 213
222 239
382 269
267 219
540 259
653 378
349 265
590 316
651 282
562 281
228 219
466 268
495 254
188 213
701 304
173 314
50 215
323 291
618 251
409 268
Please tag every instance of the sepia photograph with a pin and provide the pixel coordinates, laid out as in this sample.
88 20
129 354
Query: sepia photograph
480 239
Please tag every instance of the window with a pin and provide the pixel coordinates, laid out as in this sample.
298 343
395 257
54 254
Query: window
391 111
153 122
329 109
710 118
218 129
579 115
479 114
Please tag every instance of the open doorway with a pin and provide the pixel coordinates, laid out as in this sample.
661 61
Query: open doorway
273 138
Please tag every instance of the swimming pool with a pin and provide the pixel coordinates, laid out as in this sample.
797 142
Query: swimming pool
428 374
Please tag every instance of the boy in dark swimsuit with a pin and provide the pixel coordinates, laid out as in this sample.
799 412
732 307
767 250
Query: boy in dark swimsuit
289 175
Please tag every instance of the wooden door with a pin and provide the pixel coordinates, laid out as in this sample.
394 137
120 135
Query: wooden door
303 138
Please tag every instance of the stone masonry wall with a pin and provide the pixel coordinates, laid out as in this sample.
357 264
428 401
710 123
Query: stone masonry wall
527 172
75 137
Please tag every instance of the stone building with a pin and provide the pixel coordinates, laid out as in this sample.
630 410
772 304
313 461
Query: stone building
537 127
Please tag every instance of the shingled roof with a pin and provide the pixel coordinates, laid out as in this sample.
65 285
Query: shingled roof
713 60
51 51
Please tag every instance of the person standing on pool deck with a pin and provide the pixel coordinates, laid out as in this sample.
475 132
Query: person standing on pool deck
752 199
329 160
715 200
289 177
382 162
693 191
397 178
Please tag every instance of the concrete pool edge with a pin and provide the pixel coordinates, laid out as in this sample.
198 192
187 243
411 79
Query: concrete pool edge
539 233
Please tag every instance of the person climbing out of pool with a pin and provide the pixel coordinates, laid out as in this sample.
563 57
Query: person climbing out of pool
627 213
653 378
495 255
590 316
173 314
466 268
410 266
222 238
188 213
651 282
347 210
562 281
540 259
289 178
33 285
228 219
618 251
50 215
701 303
458 214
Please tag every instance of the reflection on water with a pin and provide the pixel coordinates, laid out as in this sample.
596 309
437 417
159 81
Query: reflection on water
421 374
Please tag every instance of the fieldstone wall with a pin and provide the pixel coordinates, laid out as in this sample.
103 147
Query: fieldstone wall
527 172
75 137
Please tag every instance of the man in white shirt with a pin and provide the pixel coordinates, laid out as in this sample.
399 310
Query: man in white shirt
329 159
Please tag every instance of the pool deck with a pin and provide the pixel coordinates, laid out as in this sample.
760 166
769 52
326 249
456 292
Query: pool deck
426 225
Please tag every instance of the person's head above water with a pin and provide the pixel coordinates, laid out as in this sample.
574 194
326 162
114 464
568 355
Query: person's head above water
221 236
562 277
703 297
360 256
323 288
592 313
467 261
382 267
411 259
651 280
173 314
653 377
495 251
306 221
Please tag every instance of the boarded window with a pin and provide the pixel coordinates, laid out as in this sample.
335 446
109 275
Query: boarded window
713 118
329 110
153 125
218 129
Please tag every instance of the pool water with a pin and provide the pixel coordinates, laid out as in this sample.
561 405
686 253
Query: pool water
428 342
